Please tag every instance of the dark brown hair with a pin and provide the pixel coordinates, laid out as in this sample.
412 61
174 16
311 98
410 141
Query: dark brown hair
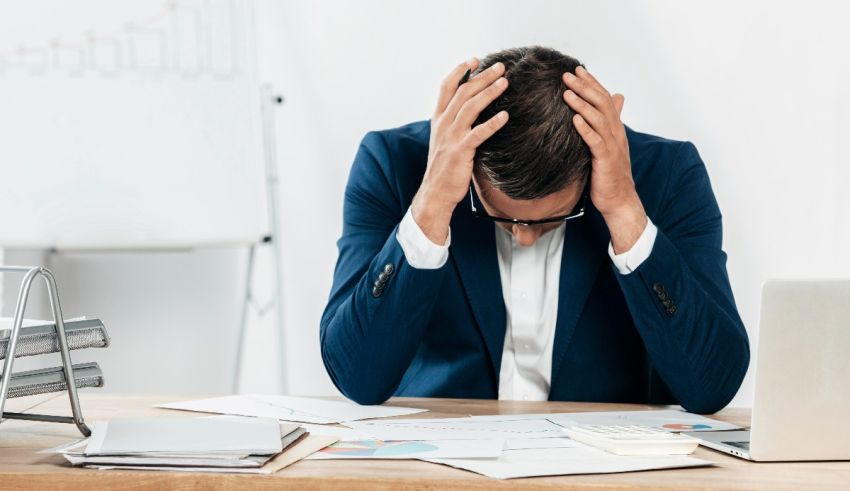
538 152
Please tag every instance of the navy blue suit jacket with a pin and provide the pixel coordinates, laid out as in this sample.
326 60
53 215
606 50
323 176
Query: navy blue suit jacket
669 332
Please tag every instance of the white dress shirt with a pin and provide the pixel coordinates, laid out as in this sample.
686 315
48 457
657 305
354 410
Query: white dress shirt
530 278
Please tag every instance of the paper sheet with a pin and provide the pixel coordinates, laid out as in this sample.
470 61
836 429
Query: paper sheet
299 450
668 419
349 435
286 408
379 449
344 434
75 447
457 429
527 443
564 461
125 460
185 435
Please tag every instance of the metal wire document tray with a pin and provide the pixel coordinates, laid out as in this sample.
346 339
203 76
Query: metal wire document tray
39 340
61 337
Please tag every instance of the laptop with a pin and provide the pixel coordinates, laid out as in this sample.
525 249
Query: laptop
801 406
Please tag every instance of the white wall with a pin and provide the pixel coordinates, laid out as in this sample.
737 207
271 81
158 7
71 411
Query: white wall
759 87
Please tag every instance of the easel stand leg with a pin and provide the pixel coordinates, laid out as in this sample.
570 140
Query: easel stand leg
243 320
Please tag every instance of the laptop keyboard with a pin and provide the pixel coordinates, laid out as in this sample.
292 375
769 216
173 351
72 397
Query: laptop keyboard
741 445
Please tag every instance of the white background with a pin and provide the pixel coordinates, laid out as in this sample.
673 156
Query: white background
761 88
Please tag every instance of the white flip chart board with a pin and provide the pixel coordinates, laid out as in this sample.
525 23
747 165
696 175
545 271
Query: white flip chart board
127 124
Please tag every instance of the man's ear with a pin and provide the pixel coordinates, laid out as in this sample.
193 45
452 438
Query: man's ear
619 101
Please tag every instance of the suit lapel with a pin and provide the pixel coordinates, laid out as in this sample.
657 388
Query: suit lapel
585 247
473 252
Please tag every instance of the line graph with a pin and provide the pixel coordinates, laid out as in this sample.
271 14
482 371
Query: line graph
457 429
188 38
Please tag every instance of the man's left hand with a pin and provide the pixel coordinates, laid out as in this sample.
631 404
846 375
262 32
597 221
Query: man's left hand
613 192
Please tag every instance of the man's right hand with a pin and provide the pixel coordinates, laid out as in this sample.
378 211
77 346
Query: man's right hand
453 144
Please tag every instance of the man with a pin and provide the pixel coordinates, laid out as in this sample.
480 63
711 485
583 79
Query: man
525 244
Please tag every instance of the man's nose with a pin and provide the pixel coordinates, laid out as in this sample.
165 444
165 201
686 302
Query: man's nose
525 236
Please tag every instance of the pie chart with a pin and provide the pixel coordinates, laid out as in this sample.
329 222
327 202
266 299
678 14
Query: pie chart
686 427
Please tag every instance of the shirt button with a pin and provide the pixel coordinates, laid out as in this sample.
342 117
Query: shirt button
525 347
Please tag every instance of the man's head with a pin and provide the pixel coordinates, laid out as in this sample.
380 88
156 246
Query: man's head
537 163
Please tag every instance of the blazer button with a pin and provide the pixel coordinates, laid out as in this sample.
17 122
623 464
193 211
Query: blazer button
388 269
377 291
671 310
659 289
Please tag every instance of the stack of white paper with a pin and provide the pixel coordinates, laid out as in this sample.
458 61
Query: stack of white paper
174 443
231 436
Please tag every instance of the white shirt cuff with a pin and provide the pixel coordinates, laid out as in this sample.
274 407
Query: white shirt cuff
634 257
418 249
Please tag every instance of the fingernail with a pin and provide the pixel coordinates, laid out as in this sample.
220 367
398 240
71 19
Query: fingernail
501 82
569 76
580 69
502 115
471 62
497 66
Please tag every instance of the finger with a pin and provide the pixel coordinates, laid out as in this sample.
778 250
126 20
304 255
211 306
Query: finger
619 101
450 84
589 92
472 88
485 130
582 73
596 143
619 131
469 112
598 121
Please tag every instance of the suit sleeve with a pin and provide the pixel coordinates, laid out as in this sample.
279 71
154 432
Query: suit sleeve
680 297
379 304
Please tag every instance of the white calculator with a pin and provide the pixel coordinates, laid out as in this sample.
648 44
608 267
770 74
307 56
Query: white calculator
632 439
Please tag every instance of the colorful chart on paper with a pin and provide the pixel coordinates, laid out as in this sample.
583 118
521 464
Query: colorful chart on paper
411 449
379 448
686 427
666 419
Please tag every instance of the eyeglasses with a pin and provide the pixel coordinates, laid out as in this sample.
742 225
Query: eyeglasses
578 211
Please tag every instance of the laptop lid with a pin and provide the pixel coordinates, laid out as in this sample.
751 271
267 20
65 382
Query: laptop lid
802 378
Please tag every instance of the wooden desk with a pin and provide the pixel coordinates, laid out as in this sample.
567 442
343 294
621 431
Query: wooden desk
22 468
